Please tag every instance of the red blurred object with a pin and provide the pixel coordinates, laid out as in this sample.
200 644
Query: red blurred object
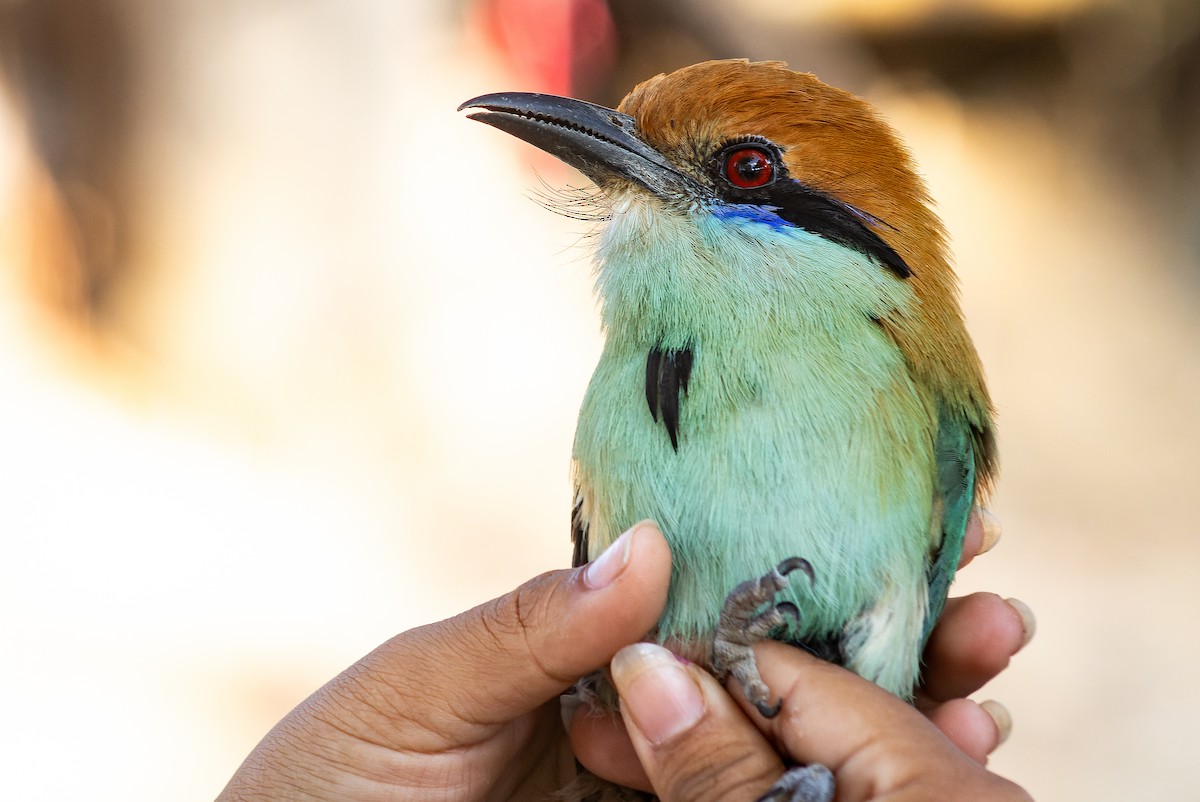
563 47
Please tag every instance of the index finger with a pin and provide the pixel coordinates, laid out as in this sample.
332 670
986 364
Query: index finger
878 745
830 714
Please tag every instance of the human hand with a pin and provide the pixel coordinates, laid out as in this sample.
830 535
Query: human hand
466 708
972 643
696 742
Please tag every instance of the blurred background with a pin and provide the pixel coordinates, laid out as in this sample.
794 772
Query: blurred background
290 356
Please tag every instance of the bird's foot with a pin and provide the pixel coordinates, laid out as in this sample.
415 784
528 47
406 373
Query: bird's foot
749 616
812 783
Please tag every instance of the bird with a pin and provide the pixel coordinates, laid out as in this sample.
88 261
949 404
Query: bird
787 385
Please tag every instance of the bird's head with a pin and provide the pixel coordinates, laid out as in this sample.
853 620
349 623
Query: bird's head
741 139
731 165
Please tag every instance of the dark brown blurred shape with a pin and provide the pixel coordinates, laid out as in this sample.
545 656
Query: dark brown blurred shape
69 65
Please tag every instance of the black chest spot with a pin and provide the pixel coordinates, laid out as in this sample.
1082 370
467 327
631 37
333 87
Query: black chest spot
667 374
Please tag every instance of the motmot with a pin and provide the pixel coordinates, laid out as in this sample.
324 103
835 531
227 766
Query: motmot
787 385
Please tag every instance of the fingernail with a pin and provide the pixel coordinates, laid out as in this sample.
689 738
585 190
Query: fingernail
1001 717
991 530
657 691
601 571
1028 620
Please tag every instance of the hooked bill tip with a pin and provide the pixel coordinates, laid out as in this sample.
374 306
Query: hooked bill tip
472 106
480 102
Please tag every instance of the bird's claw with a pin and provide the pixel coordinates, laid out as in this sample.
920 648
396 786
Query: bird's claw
742 625
789 610
812 783
769 711
795 564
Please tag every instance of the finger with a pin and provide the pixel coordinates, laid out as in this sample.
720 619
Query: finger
972 643
504 658
983 533
693 740
601 743
828 714
976 729
877 745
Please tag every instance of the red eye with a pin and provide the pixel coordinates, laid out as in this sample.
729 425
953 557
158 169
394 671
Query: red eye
749 168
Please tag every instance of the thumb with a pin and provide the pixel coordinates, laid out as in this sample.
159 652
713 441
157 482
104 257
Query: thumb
498 661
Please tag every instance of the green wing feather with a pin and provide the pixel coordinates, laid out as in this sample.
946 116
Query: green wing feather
956 478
